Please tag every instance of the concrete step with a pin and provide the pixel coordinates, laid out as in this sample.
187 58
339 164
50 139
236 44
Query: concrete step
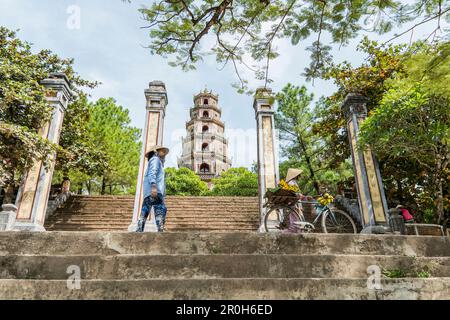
89 229
91 224
111 243
89 218
113 229
206 207
75 202
210 230
131 267
170 227
211 221
240 289
88 213
170 215
172 211
229 218
217 225
125 219
200 265
201 207
171 223
168 198
106 219
115 206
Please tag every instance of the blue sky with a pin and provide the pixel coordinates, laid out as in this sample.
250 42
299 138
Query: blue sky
109 47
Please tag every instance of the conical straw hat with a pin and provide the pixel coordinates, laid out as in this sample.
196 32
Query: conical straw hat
292 174
156 148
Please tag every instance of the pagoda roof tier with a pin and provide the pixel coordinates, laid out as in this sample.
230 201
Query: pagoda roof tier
206 155
205 119
206 93
207 106
212 136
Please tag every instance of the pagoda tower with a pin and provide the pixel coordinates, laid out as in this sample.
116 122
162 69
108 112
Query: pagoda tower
205 149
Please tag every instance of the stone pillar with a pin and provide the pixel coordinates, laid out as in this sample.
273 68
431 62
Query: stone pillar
268 175
372 201
34 191
156 96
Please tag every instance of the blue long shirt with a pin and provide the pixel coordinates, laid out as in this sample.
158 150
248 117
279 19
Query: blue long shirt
154 175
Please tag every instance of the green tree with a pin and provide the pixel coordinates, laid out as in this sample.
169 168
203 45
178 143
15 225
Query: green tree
184 182
393 78
413 123
111 133
23 106
250 28
370 80
236 182
294 119
78 156
301 146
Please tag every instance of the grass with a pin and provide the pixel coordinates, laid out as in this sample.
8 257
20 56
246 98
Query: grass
400 273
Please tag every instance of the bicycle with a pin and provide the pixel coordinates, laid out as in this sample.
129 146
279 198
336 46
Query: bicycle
288 216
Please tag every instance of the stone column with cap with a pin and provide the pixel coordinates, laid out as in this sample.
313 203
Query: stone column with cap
268 175
32 198
156 97
371 197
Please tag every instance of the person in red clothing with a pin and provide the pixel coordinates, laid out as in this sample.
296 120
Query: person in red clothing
405 213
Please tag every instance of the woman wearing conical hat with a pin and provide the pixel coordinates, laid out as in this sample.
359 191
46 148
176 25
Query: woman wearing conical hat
292 176
154 188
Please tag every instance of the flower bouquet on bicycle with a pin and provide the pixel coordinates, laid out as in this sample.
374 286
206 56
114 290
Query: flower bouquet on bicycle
282 210
331 219
284 194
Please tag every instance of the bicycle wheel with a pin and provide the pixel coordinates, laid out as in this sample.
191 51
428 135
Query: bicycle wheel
272 219
337 221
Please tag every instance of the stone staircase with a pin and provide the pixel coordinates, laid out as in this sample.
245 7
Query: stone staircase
210 265
114 213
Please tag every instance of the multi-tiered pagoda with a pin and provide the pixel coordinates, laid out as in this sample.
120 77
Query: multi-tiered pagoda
205 148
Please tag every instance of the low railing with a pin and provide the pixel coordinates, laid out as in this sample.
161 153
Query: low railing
424 229
56 202
59 194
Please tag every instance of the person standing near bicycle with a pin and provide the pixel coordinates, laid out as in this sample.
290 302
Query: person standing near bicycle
292 176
